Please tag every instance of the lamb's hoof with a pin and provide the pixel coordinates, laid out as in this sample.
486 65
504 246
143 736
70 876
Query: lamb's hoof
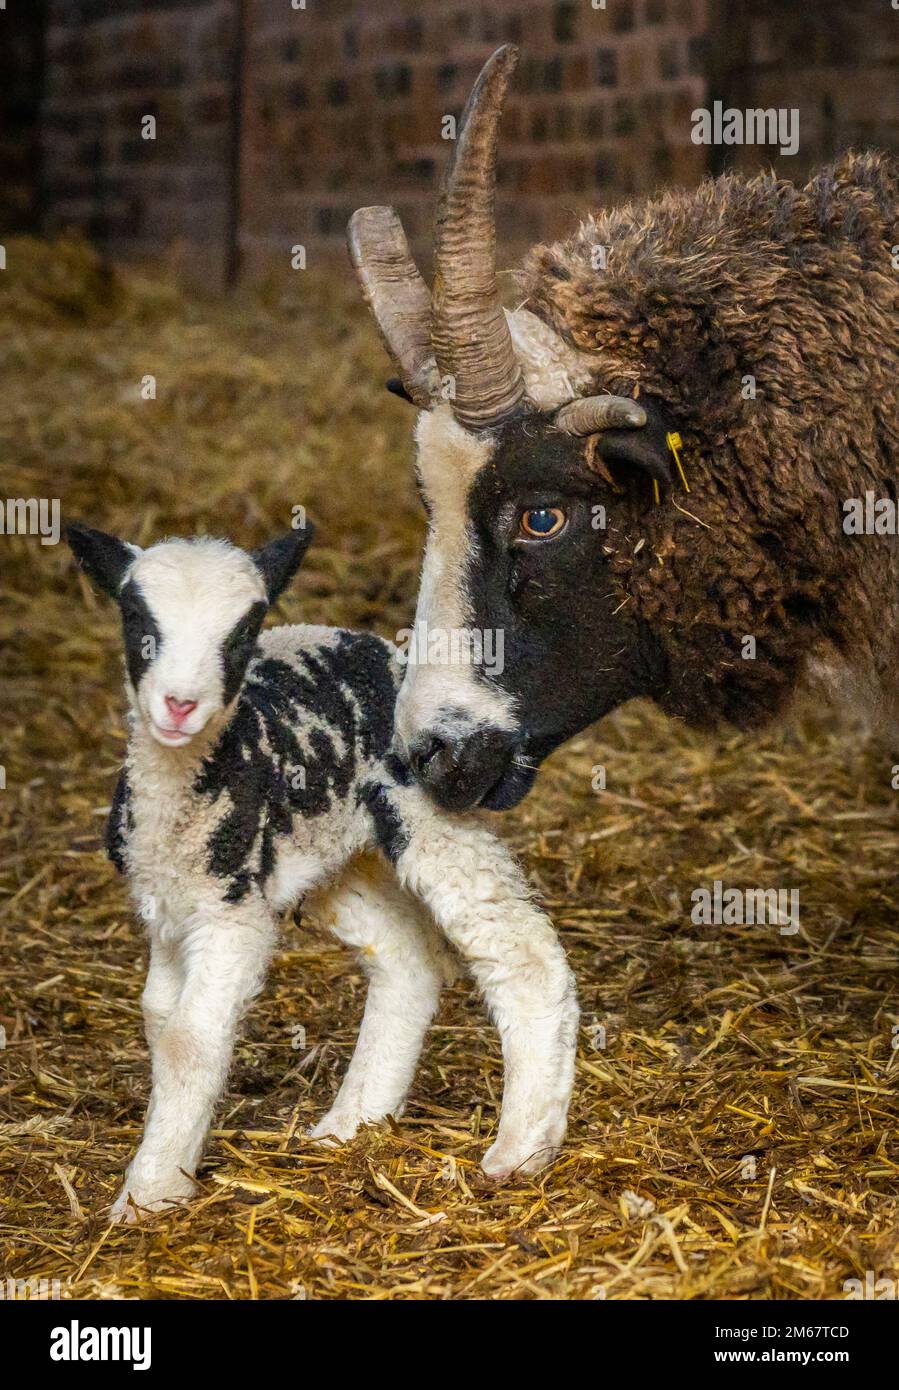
334 1129
134 1201
122 1212
508 1158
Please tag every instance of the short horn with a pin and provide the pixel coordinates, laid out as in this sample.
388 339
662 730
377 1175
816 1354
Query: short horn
589 414
397 296
471 338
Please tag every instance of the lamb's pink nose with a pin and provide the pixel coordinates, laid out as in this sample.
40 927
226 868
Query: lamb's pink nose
179 709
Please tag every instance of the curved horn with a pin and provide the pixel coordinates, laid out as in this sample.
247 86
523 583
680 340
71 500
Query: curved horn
471 338
397 296
589 414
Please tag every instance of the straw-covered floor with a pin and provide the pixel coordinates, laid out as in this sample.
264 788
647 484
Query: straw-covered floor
735 1136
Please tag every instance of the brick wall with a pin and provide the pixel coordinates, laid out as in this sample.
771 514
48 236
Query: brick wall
274 123
344 106
838 63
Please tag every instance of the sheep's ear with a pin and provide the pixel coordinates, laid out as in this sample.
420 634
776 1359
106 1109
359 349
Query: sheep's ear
279 561
644 450
104 558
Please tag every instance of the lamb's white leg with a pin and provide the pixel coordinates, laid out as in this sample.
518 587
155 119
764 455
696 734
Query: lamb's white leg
479 897
165 979
407 964
224 959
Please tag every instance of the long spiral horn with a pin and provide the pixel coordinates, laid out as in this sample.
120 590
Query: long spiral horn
471 338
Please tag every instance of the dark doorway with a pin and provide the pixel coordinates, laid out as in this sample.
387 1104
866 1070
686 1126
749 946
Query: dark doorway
21 87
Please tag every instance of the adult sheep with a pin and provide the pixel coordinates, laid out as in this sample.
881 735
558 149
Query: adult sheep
755 319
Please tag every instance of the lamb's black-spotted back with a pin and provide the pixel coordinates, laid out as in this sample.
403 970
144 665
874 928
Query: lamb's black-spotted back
312 728
311 733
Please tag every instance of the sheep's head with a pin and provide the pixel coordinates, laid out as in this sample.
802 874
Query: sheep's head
515 456
529 527
191 613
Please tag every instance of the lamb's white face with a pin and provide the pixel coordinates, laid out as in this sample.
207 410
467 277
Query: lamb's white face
192 611
191 614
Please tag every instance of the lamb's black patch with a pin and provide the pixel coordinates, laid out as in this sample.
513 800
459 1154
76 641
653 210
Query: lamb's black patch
238 886
120 822
238 647
390 833
293 747
143 639
399 771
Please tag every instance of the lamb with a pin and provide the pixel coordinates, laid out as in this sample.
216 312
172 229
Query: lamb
259 767
740 339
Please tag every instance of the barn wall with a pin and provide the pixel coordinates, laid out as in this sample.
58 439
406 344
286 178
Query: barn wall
274 123
837 62
344 107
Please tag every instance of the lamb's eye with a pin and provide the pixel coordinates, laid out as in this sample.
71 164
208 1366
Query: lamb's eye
539 523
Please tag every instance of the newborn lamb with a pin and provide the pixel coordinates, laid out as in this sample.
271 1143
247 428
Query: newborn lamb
259 765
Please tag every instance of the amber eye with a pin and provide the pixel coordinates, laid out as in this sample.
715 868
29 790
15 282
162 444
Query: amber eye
539 523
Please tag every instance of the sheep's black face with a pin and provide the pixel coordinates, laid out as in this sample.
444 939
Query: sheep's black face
539 571
518 557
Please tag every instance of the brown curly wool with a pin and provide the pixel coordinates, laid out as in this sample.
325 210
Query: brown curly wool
794 287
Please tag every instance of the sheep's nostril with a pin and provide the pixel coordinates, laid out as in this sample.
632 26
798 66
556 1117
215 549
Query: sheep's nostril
422 756
459 772
179 709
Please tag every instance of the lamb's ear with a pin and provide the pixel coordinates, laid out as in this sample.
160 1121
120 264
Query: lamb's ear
279 560
643 450
104 558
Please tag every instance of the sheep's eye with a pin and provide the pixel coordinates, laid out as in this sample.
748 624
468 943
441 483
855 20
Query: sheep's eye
539 523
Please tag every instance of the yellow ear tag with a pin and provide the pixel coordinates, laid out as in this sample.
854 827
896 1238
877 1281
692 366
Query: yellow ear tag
674 442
